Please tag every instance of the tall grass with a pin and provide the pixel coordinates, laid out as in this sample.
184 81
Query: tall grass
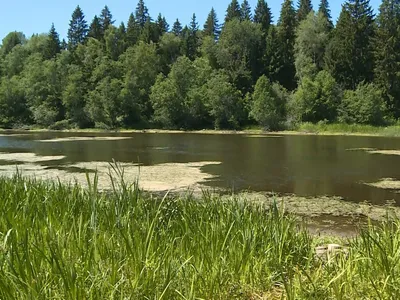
341 128
62 241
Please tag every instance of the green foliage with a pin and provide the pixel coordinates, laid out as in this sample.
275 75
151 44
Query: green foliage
326 12
245 11
142 14
350 55
286 34
268 104
387 41
105 19
77 29
141 66
177 28
311 41
61 80
224 102
11 40
178 99
304 9
233 11
238 52
263 15
317 99
95 30
211 26
14 109
104 103
365 105
53 46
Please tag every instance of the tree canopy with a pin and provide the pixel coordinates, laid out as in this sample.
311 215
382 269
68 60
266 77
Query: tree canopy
244 71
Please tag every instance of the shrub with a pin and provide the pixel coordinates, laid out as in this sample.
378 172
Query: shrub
365 105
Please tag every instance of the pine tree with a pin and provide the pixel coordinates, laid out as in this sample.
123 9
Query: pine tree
263 15
387 45
233 11
245 11
142 13
95 30
105 19
211 27
177 28
286 35
304 8
77 29
325 10
350 57
132 31
53 46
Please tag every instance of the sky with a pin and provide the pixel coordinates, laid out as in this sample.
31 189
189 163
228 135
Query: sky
36 16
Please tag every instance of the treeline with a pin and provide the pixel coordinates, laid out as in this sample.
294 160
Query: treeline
244 71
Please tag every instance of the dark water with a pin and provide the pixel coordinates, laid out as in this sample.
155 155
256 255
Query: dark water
303 165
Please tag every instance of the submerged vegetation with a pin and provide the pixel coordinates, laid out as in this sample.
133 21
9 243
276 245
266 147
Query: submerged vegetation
63 241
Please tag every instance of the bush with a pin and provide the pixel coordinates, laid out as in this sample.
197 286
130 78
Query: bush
365 105
317 99
60 125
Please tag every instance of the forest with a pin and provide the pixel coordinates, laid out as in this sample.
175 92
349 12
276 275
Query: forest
248 69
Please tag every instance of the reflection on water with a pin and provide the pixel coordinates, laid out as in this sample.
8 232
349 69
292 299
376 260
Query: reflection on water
304 165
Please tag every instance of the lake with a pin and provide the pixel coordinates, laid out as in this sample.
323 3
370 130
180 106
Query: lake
305 165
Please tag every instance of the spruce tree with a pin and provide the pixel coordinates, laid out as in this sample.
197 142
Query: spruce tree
245 11
142 13
95 30
286 35
105 19
387 45
192 39
177 28
162 25
233 11
350 57
263 15
53 46
77 29
304 8
132 31
211 27
64 45
325 10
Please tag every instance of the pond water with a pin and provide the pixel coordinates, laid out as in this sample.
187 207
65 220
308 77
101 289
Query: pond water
305 165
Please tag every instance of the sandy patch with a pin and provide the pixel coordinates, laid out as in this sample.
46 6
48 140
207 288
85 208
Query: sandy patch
86 138
386 183
385 152
262 136
170 176
28 157
15 134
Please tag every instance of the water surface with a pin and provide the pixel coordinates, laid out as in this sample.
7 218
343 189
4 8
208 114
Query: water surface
303 165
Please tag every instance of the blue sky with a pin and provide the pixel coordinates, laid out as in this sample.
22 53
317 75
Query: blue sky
36 16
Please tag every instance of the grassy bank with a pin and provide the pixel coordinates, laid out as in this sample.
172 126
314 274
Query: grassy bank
65 242
352 129
304 128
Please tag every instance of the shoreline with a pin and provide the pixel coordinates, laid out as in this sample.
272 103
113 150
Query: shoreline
304 129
